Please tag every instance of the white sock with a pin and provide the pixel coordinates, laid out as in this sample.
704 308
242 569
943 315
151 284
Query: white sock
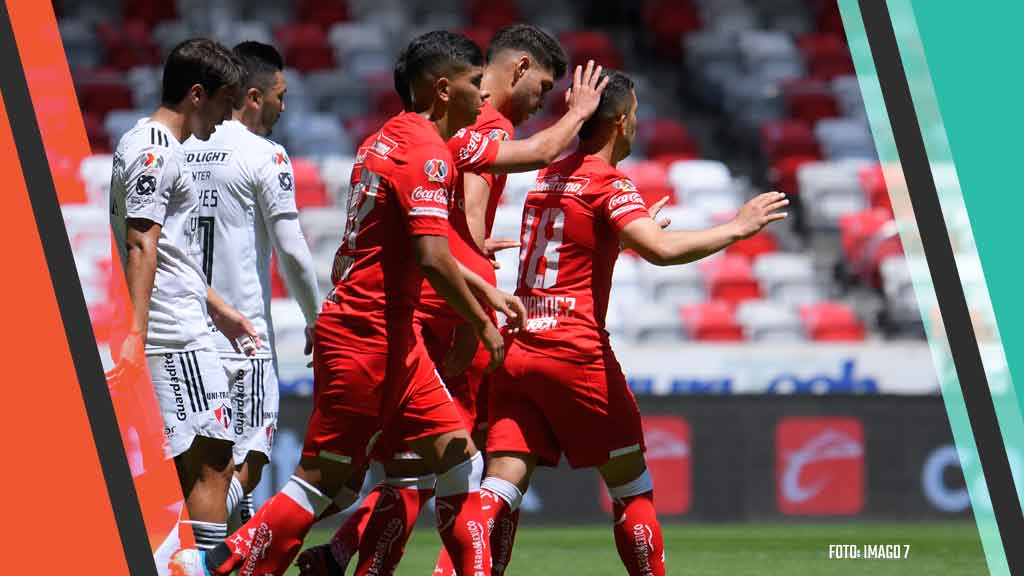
306 495
207 534
462 478
235 494
504 489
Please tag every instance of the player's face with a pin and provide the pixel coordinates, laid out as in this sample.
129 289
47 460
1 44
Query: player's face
212 110
628 128
465 97
530 91
273 102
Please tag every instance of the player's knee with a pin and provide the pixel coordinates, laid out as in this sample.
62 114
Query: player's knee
213 456
327 476
445 451
253 471
512 467
623 469
406 468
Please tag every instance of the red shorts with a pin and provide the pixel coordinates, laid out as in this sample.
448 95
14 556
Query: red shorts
437 333
545 406
357 394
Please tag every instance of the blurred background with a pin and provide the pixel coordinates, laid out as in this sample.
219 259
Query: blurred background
788 377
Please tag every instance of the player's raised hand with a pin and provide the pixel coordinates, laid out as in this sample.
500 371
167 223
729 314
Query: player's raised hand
760 211
585 94
492 245
655 209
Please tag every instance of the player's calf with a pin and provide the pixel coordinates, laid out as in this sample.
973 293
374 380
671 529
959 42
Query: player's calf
207 472
635 524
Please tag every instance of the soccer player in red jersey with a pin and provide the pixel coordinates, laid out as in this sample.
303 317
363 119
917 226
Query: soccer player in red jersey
561 388
371 369
523 64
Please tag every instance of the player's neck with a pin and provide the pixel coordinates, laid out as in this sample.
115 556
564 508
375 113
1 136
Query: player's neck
174 121
499 93
603 150
441 123
248 121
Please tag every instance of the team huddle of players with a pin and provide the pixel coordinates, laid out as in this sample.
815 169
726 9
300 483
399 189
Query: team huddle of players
200 197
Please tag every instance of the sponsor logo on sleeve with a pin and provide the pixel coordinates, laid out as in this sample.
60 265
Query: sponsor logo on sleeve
145 185
624 185
436 171
280 159
154 161
497 134
473 148
284 179
382 146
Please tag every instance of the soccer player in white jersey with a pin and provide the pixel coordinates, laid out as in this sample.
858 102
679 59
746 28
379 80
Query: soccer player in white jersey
154 213
247 207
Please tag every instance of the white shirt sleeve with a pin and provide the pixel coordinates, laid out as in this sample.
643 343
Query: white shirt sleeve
149 177
276 185
295 263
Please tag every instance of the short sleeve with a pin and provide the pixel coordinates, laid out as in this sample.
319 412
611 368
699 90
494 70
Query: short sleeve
422 188
149 177
473 151
275 184
622 204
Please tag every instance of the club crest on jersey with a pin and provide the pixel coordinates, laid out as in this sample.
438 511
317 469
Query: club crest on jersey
436 170
624 184
285 180
280 159
223 415
497 134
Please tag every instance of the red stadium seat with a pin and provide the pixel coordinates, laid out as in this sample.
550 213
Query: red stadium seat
359 129
387 103
493 14
831 321
712 321
665 136
99 140
310 189
324 13
781 138
783 172
586 45
479 35
101 95
827 56
763 242
856 229
667 21
305 47
873 180
810 100
830 21
128 45
149 11
651 179
730 278
667 160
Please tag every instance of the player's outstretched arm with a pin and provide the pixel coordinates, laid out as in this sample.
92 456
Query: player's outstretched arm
544 147
140 271
296 263
446 277
668 247
508 304
235 326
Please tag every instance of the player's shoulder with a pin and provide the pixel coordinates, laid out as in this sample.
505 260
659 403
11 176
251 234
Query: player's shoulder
493 124
147 135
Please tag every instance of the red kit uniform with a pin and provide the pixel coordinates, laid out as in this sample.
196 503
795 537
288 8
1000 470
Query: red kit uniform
561 388
371 368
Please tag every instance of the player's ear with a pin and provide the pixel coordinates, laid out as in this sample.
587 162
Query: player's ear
254 95
442 89
195 94
620 124
522 66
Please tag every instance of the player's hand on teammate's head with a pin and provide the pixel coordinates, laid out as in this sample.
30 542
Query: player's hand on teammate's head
760 211
585 94
656 208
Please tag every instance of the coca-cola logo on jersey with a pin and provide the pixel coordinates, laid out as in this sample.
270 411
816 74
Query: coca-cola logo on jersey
819 466
437 195
621 199
475 138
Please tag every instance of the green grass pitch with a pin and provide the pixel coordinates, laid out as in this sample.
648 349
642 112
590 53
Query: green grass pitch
946 548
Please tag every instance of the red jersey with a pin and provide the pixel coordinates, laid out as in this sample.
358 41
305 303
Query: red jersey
400 188
474 150
570 241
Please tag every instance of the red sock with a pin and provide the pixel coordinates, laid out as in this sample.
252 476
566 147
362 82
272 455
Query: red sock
269 542
501 522
460 521
382 534
345 542
638 535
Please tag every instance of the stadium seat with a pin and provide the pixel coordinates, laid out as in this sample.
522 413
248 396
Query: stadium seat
654 324
101 94
361 128
81 44
170 33
387 103
674 285
336 172
148 11
99 138
872 179
827 56
95 172
128 45
712 321
667 21
810 100
763 48
897 284
583 45
706 184
766 320
309 188
493 14
662 136
856 231
845 138
847 91
323 228
782 174
321 12
828 190
832 321
305 47
316 135
764 242
783 138
651 179
118 122
788 278
364 49
730 278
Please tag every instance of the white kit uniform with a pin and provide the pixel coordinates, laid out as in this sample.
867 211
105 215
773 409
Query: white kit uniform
244 183
149 182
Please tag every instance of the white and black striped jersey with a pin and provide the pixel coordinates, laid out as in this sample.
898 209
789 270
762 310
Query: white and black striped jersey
149 182
244 181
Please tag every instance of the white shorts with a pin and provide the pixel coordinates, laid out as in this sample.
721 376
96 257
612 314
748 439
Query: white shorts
193 396
254 404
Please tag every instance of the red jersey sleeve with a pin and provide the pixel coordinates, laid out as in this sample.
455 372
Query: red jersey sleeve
422 188
473 151
622 203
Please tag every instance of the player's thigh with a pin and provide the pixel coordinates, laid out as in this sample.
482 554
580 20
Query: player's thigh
623 469
192 393
254 401
514 467
443 451
517 420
